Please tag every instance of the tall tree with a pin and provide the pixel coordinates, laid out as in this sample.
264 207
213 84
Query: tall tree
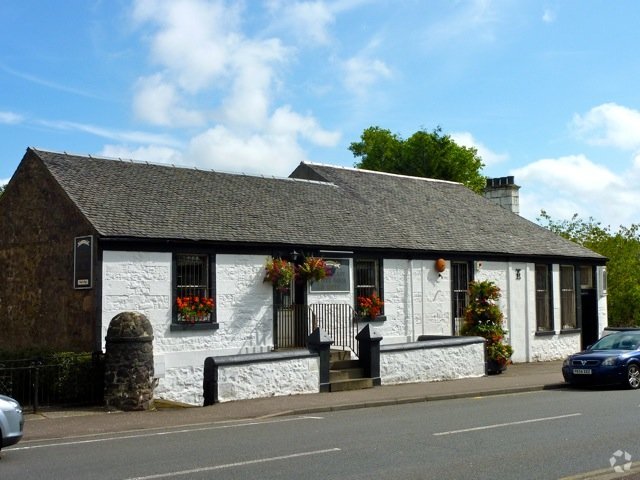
622 248
423 154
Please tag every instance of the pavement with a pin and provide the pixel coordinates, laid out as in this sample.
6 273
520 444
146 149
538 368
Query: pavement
61 423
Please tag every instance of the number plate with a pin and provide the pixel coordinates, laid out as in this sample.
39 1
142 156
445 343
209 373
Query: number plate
581 371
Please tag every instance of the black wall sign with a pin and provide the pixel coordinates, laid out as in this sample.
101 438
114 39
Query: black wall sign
83 262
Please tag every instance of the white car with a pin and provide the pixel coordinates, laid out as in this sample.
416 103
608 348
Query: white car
11 421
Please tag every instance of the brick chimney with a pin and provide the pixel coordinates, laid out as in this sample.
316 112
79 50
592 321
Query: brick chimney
504 192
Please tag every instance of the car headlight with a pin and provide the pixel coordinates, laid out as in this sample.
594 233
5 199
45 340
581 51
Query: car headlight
609 362
567 362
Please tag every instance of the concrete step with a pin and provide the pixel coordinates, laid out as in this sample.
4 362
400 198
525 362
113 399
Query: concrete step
339 355
343 364
352 384
345 374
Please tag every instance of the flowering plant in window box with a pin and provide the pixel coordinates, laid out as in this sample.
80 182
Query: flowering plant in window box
194 309
280 273
314 269
370 306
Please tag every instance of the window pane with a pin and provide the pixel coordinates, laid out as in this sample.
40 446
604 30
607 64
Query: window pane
543 317
366 272
339 282
567 297
192 274
586 277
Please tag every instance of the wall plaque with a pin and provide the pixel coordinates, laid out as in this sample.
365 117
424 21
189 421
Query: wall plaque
83 262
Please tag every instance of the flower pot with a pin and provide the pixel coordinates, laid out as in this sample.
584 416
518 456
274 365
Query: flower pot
494 367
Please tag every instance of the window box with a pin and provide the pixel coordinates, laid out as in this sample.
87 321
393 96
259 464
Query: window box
366 318
196 327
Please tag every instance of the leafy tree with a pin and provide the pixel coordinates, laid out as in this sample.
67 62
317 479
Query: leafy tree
622 248
423 154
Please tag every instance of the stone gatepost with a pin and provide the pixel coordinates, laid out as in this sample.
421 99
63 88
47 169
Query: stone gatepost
129 363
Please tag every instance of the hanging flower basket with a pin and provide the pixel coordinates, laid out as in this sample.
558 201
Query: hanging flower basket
314 269
280 273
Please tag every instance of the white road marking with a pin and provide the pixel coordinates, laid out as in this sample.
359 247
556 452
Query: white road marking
236 464
508 424
146 434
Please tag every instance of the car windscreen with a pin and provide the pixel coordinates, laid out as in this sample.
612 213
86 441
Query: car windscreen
627 341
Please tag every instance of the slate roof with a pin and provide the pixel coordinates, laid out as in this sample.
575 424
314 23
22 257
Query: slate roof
325 206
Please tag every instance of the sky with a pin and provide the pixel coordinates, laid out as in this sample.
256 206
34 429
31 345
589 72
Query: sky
546 91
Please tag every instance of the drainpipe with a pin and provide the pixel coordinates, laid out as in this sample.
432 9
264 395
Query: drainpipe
413 324
527 319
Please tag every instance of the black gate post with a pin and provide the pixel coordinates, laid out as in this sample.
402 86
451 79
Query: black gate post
320 343
369 346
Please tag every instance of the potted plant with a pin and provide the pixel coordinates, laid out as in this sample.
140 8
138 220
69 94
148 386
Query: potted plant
484 318
314 269
194 309
280 273
370 306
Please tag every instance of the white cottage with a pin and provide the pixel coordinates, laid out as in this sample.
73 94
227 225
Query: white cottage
144 235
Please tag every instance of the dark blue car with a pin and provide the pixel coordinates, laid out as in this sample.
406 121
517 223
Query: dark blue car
614 359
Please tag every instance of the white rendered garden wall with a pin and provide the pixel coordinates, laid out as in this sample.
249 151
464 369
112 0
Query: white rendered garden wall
259 379
431 361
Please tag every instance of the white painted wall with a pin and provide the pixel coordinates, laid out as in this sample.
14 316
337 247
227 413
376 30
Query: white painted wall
268 379
432 364
141 281
417 301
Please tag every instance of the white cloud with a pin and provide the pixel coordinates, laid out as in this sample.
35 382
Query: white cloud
151 154
158 103
115 135
362 72
287 122
609 124
4 181
309 21
488 156
574 184
472 21
204 58
10 118
221 149
195 39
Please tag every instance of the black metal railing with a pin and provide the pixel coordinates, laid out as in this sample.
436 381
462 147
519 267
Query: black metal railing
66 379
294 323
340 322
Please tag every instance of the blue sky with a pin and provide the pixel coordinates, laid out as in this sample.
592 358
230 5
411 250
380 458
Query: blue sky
548 91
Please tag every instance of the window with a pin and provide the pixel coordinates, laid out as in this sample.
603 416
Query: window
543 299
193 279
460 278
340 281
366 272
586 277
367 278
567 296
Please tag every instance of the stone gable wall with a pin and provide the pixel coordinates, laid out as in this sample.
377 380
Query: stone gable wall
39 309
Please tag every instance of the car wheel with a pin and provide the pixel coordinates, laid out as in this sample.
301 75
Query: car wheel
633 376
